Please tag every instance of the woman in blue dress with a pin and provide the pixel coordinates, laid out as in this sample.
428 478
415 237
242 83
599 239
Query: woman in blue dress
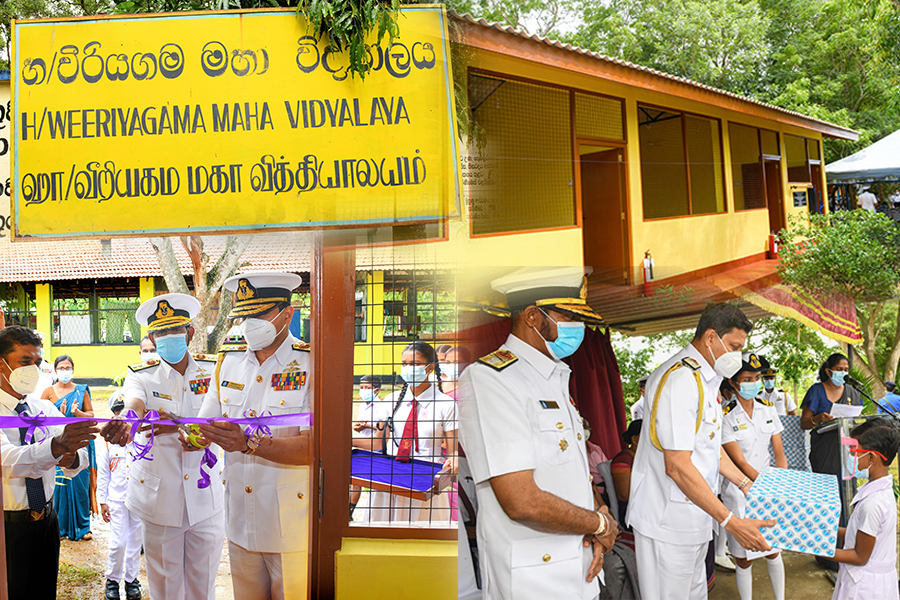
72 496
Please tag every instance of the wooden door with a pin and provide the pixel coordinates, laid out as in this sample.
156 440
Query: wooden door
603 214
774 196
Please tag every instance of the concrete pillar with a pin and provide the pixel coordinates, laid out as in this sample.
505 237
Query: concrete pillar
43 293
148 290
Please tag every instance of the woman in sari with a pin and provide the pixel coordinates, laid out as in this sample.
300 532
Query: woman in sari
73 497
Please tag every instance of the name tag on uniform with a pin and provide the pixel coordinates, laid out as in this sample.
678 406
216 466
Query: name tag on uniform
740 426
232 385
292 380
549 404
163 396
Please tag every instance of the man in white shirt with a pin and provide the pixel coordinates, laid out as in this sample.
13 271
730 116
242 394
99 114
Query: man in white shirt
637 409
782 401
867 200
183 524
677 465
29 470
267 477
540 531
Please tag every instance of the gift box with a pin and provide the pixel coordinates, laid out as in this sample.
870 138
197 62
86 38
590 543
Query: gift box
807 507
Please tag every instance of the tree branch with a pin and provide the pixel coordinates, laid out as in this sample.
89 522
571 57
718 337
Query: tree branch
168 263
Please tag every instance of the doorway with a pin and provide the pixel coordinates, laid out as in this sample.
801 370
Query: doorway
774 195
603 212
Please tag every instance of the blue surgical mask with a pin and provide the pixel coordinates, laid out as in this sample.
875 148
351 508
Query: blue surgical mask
860 473
837 377
171 348
367 395
65 376
769 384
413 374
750 390
568 338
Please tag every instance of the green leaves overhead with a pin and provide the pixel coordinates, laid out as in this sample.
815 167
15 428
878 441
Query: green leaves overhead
853 253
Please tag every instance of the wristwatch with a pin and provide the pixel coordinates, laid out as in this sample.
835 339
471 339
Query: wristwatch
252 443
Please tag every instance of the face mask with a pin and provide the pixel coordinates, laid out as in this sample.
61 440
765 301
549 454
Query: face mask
769 383
172 348
568 338
449 371
259 333
837 377
65 376
750 390
24 379
413 374
367 395
860 473
729 363
148 356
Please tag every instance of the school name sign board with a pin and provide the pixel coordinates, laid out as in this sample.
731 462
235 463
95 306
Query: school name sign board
231 121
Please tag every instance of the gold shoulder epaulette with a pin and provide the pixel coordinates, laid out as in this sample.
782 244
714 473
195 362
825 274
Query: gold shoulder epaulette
233 348
301 346
690 362
205 357
728 406
143 365
765 402
499 359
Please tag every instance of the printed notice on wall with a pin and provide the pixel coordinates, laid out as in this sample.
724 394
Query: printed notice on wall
232 121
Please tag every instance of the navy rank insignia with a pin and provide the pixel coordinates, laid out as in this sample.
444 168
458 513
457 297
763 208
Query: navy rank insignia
499 359
233 348
163 310
690 362
200 386
205 357
232 385
245 290
728 407
301 346
144 365
292 380
765 402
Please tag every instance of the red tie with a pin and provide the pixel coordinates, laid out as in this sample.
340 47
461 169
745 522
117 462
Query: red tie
410 434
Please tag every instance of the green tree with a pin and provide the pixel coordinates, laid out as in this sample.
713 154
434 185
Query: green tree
855 254
634 360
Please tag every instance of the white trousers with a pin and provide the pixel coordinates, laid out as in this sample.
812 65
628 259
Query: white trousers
268 575
182 561
670 571
398 509
124 544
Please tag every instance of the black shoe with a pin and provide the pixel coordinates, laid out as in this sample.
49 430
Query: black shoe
133 590
112 590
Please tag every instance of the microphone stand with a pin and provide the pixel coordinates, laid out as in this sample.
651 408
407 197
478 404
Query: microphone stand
859 388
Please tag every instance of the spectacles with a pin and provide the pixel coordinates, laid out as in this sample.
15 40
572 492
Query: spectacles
863 451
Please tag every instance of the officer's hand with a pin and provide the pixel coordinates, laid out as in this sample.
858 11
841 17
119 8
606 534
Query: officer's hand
597 562
609 540
229 436
187 445
116 432
747 488
104 512
73 437
746 532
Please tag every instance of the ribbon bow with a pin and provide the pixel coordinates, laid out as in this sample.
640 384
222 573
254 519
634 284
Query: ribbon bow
256 426
209 460
142 450
35 422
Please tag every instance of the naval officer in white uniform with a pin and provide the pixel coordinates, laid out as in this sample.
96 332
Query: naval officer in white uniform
183 525
539 532
782 401
675 471
267 478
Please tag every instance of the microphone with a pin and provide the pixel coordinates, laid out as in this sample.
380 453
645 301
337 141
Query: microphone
853 382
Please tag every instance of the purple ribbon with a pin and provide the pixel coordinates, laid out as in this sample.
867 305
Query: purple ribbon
35 422
257 424
209 460
149 418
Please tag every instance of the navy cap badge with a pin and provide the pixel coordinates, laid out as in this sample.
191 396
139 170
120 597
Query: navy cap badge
163 310
245 290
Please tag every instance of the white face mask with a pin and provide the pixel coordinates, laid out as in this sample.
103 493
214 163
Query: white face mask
259 333
148 355
450 371
729 363
24 379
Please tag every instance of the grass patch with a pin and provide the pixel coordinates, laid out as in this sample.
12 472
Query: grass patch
73 577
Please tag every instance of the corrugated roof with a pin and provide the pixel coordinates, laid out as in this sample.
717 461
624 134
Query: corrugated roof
467 18
134 257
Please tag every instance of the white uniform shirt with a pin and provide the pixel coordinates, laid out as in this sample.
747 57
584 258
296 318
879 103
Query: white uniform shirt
520 419
436 416
874 513
781 399
658 508
868 201
752 434
368 414
267 503
34 460
637 409
113 467
160 490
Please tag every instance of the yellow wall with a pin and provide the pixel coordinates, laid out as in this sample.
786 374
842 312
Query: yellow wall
100 360
379 569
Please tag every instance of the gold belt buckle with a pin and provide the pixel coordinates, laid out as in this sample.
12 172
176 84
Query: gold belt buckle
37 515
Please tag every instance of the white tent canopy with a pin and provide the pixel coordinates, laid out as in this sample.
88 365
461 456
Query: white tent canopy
878 162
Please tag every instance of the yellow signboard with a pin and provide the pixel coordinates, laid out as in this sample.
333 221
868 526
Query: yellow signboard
231 121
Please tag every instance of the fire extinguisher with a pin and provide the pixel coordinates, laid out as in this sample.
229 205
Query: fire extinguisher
648 273
773 246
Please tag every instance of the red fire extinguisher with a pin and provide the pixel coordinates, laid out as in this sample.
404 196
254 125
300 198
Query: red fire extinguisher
772 251
648 273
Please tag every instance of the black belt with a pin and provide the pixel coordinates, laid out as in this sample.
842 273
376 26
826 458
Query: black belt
28 515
